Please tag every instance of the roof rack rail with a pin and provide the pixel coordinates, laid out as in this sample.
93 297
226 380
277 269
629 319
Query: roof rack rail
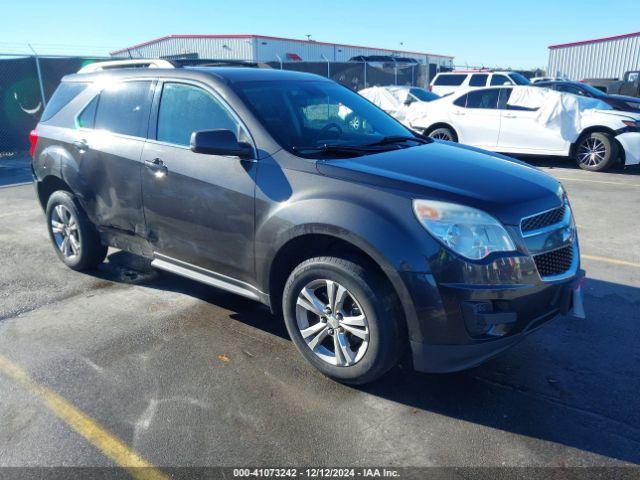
112 64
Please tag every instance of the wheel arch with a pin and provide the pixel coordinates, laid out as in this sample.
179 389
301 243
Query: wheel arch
435 126
322 240
595 129
47 186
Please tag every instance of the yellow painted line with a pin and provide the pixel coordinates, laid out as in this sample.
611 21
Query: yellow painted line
621 184
613 261
91 430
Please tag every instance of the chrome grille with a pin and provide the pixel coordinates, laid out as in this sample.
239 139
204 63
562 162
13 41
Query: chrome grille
542 220
555 262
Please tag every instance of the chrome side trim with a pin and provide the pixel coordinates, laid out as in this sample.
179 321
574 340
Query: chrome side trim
208 277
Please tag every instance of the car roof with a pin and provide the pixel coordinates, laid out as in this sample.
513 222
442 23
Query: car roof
558 82
473 72
225 74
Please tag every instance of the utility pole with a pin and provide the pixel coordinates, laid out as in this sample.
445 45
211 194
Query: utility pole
35 54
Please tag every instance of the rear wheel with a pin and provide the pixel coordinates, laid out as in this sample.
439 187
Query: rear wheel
596 152
342 318
74 237
443 133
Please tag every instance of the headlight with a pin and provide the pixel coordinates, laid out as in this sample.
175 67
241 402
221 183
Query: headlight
467 231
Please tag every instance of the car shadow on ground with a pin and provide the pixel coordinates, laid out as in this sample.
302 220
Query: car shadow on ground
574 382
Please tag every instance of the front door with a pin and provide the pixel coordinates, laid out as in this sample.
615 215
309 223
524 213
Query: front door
521 132
199 208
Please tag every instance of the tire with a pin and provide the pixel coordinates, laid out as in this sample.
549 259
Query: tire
596 152
82 249
370 318
443 133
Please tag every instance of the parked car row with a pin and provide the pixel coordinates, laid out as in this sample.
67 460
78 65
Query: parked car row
528 120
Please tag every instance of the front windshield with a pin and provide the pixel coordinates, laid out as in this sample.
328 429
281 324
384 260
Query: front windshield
303 115
422 94
519 79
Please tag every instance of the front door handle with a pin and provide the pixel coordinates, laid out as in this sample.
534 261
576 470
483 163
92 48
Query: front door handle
157 166
509 115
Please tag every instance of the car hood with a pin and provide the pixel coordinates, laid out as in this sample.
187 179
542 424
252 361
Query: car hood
504 187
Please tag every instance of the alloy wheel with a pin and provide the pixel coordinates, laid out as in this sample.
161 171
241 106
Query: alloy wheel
592 152
332 323
64 226
441 135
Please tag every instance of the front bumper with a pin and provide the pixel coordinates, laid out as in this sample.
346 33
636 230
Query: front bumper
630 142
528 308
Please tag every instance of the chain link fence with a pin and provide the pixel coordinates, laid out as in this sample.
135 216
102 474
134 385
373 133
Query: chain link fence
359 75
28 81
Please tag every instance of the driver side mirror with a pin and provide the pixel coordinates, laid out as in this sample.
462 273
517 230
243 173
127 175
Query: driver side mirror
408 101
219 142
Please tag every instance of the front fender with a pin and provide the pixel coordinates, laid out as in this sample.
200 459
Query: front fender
388 240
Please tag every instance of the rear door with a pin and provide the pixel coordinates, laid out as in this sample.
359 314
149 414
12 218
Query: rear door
109 140
521 132
199 208
476 118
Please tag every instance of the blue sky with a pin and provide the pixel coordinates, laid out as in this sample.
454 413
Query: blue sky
491 33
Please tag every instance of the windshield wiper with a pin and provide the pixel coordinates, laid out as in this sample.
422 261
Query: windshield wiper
398 139
332 148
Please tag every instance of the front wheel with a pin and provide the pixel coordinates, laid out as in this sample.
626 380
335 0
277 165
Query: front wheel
342 318
443 133
74 237
596 152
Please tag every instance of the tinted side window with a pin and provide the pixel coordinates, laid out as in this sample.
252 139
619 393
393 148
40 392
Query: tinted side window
478 80
61 97
505 94
500 80
185 109
124 108
461 102
450 80
87 117
483 98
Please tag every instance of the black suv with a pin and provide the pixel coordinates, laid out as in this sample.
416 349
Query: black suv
371 241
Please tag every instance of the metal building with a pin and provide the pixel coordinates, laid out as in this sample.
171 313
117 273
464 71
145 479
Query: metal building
260 48
606 57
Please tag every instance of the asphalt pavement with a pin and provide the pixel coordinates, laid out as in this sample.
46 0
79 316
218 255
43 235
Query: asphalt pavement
186 375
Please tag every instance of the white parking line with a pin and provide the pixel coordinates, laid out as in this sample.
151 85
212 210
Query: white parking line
619 184
613 261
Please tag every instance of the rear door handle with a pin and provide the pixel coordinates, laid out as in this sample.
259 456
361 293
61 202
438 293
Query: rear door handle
458 112
157 166
81 145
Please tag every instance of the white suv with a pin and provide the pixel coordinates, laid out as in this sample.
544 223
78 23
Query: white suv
449 82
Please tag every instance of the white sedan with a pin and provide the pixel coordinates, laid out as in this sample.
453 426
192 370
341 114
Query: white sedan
535 121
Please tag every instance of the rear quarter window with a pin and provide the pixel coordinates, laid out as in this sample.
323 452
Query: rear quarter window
65 92
450 80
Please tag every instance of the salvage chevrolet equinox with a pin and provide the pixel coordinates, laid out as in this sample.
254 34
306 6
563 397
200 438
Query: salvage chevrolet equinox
374 243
